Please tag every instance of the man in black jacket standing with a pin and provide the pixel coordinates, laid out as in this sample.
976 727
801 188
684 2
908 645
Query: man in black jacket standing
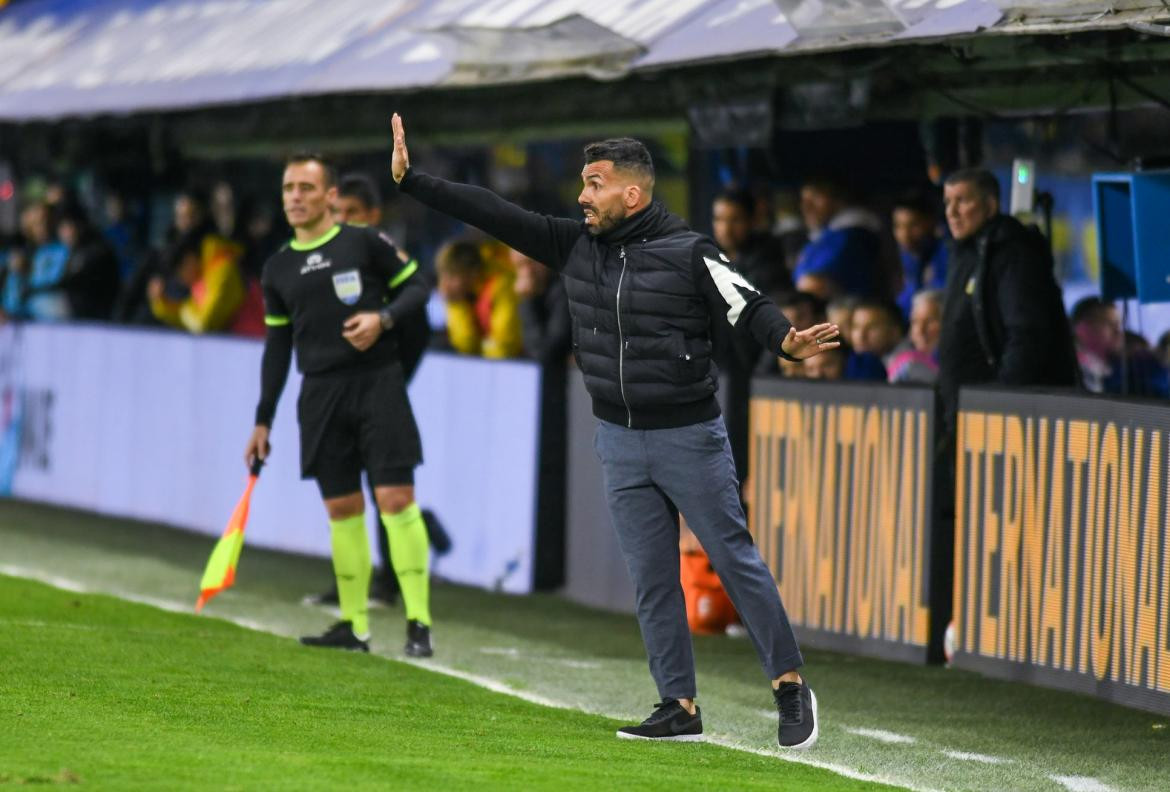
1003 322
643 289
1003 316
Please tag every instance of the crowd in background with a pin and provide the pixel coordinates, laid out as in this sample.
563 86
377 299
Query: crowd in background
881 279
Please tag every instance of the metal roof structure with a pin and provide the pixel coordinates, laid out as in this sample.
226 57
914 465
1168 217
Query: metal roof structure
66 58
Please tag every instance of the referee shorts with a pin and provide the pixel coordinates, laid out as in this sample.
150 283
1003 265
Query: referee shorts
353 421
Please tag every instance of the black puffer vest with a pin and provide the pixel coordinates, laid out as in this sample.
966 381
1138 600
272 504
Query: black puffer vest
640 323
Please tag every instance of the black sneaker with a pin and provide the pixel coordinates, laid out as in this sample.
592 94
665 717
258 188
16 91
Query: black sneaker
339 636
418 639
669 721
327 598
798 715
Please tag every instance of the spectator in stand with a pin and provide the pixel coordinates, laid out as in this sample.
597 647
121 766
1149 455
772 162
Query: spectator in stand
223 210
120 234
920 246
1163 350
15 274
1101 343
92 279
206 288
830 365
544 311
189 216
44 294
482 312
840 312
756 254
803 310
787 226
919 363
843 255
1100 340
876 329
878 335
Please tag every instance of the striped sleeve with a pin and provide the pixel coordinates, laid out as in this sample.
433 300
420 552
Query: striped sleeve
729 294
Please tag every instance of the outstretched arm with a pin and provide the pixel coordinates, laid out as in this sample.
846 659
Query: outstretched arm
546 239
732 297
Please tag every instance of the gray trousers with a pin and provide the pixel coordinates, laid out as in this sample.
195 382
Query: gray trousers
690 467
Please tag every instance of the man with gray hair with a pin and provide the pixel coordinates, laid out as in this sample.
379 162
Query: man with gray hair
643 290
918 361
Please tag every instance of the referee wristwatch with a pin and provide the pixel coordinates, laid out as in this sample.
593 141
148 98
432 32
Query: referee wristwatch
386 318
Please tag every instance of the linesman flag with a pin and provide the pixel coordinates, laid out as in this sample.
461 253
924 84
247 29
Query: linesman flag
221 567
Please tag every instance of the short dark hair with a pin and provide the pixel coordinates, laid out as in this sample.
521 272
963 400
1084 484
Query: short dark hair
922 201
1087 308
982 179
888 307
460 256
361 187
829 185
797 299
738 197
626 154
301 157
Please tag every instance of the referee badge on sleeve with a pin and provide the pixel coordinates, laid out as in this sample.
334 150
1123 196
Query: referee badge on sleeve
347 286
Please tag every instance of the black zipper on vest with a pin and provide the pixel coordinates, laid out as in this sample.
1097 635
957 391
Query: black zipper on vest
622 340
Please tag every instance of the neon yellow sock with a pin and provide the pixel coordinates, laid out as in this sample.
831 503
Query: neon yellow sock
351 567
410 552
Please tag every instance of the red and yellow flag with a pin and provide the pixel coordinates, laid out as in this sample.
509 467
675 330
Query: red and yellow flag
221 567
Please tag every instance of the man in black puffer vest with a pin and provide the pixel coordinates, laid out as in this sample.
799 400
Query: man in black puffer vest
643 289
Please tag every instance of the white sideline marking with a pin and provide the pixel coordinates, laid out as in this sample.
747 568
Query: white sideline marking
514 653
1081 783
966 756
506 651
484 682
584 665
881 735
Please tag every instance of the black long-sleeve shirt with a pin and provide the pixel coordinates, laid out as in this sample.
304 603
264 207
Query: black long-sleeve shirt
549 240
312 288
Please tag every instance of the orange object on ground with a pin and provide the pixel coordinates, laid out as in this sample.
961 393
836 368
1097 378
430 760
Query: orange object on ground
709 609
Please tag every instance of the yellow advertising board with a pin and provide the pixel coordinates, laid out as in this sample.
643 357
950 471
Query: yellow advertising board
839 500
1062 544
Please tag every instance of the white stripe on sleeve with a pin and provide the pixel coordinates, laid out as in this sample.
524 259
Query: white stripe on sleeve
727 279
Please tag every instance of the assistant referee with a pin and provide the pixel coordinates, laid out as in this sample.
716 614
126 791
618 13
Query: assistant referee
328 294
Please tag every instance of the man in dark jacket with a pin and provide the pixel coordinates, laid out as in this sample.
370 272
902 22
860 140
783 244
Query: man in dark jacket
1003 316
1003 322
643 289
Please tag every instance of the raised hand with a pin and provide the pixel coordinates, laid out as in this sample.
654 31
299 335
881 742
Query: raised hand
400 159
813 341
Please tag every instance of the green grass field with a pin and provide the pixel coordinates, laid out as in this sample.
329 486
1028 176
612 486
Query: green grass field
111 694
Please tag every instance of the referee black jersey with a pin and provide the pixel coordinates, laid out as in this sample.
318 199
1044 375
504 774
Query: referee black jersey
312 288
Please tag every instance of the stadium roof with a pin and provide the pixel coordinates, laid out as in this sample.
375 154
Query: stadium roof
70 58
